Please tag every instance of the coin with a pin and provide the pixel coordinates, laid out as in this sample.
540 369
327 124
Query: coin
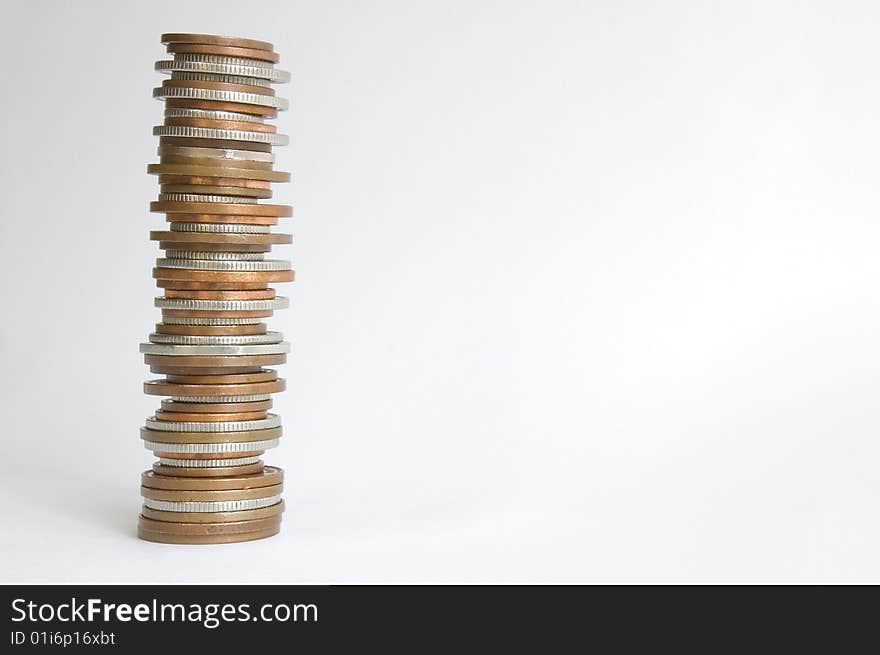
165 388
230 191
260 375
175 406
236 277
188 132
195 330
226 209
262 294
211 495
196 458
269 476
212 449
212 39
165 538
230 51
232 239
221 105
233 66
167 437
205 472
215 418
214 517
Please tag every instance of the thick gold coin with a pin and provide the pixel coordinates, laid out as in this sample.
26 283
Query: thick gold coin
251 277
221 208
262 375
268 476
211 330
244 436
211 496
260 170
165 388
166 538
169 178
206 471
177 529
174 406
229 144
214 517
224 51
214 39
218 418
208 286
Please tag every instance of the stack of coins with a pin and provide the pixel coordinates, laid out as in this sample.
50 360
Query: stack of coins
209 484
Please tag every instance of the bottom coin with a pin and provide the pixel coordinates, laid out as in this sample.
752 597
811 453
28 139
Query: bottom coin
207 529
168 538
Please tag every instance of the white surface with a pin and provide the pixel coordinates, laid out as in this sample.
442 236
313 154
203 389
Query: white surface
585 291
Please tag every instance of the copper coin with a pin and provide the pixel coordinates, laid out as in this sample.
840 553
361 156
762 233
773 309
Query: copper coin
165 388
184 285
221 105
225 51
244 436
206 471
211 495
262 294
218 86
174 207
215 361
232 455
213 39
206 370
187 275
262 375
260 170
211 330
165 538
219 418
228 239
216 313
214 517
200 180
242 126
214 143
269 476
175 406
160 528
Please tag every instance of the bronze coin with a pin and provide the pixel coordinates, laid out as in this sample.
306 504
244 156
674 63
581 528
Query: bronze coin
262 294
214 517
175 528
165 538
242 126
174 406
220 105
206 471
218 86
224 51
213 39
259 170
168 178
244 436
206 370
273 238
185 285
253 277
174 207
218 219
165 388
252 453
262 375
268 476
214 143
213 418
209 495
211 330
216 313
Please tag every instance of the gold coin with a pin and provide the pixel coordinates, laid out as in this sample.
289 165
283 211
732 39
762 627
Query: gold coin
165 388
252 277
220 105
267 477
174 406
251 168
166 436
213 418
222 238
262 375
225 209
212 496
211 330
161 529
224 51
170 178
261 294
166 538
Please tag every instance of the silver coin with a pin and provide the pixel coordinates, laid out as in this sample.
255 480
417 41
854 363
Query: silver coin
211 114
198 197
225 78
252 398
209 320
259 349
216 340
211 505
220 228
181 131
221 96
216 256
195 304
209 463
211 448
185 61
229 154
271 421
205 265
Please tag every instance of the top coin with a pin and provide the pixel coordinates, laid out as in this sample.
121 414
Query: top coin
212 39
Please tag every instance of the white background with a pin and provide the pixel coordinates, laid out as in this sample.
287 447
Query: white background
585 291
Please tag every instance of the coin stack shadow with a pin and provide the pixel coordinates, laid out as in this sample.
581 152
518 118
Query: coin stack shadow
209 484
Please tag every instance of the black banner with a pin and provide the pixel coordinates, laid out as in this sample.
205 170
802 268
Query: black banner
260 619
